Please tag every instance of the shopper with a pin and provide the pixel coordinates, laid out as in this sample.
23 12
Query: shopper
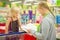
13 22
47 29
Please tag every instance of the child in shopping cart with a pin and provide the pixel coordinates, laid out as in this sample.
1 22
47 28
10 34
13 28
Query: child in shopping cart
13 22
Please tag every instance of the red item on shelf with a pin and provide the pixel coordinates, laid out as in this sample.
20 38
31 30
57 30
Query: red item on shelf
2 31
29 37
58 25
2 24
37 22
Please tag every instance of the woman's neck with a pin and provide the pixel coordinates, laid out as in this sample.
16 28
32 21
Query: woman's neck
44 15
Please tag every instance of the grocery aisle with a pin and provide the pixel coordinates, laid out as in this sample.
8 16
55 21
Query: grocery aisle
28 14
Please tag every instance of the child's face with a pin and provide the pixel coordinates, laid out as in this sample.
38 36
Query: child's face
15 14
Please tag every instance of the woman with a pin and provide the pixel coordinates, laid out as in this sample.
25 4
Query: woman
47 30
13 22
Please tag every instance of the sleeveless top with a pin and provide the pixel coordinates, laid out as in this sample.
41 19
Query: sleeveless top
13 26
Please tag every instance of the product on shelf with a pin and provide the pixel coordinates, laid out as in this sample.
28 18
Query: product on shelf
30 14
57 2
58 22
1 4
33 16
3 15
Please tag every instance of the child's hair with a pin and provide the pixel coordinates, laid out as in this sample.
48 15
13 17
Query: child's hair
14 10
44 5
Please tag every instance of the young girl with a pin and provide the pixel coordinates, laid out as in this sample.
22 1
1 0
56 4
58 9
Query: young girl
13 22
47 29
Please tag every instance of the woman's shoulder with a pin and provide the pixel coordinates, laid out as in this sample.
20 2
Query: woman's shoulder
49 19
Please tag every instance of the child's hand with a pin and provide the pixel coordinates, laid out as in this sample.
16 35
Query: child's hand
21 30
6 32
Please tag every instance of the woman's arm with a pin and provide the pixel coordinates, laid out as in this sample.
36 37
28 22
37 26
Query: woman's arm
44 30
7 25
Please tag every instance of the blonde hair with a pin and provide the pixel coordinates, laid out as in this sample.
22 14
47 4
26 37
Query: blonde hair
44 5
14 10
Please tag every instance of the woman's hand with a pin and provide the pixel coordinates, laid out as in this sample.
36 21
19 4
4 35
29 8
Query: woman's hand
29 30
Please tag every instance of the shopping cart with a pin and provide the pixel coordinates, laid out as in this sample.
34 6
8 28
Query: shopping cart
12 36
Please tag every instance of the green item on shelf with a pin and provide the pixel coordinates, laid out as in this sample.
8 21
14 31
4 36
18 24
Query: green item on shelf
58 2
17 4
4 3
10 5
2 19
38 29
